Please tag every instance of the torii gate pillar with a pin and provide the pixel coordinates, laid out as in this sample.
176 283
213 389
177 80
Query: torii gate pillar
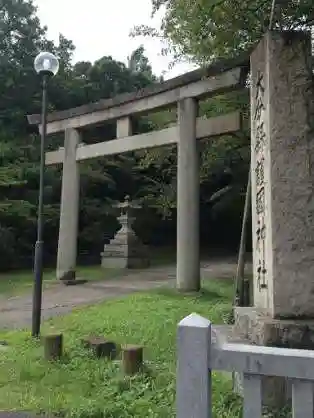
69 208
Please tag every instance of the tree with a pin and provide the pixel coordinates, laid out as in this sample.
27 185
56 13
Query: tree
210 29
148 175
204 31
138 63
21 38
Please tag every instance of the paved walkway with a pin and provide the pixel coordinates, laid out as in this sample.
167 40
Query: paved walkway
58 299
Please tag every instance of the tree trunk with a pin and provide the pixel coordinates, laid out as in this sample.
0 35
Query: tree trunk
241 286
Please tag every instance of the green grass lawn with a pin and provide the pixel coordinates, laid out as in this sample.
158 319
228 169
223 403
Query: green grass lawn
16 283
81 386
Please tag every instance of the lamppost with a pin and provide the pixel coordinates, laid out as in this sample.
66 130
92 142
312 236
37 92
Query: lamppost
46 65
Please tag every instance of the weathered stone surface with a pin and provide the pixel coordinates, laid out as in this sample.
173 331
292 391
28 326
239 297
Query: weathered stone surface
254 326
125 250
68 276
282 113
69 209
53 346
101 347
274 390
260 329
188 197
73 282
282 162
132 359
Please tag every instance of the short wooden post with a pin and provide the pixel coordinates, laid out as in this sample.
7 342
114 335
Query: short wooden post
53 346
193 374
132 359
101 347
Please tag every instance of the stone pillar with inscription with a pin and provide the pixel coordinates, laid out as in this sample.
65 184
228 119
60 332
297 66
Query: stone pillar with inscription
261 217
125 250
282 167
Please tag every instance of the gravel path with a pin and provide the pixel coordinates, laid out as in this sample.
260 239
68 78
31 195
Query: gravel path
58 299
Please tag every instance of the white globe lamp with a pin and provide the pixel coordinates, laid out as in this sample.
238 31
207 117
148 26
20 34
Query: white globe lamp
46 64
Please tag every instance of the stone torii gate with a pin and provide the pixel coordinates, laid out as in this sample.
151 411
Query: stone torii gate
184 92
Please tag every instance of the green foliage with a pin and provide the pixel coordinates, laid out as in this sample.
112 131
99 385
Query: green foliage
204 31
209 29
102 182
138 63
149 176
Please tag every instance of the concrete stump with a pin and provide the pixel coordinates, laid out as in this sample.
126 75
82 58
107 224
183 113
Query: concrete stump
101 347
132 359
53 346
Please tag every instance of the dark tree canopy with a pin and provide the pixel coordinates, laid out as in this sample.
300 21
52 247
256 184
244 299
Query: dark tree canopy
201 31
208 29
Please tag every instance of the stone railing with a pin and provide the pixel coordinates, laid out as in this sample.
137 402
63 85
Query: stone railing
200 351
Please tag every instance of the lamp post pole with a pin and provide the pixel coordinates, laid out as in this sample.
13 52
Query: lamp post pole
46 65
39 246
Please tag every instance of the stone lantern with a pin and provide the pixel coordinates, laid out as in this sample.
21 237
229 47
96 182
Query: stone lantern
125 250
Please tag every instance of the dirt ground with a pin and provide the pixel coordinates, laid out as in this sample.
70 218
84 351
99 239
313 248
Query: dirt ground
15 312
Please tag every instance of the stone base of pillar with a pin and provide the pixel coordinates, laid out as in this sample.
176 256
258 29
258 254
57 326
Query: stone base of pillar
125 251
254 326
66 276
122 262
69 278
74 282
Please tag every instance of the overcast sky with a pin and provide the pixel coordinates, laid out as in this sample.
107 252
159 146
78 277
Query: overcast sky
102 27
